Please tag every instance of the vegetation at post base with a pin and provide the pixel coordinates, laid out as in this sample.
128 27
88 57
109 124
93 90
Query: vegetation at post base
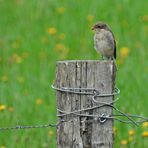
35 34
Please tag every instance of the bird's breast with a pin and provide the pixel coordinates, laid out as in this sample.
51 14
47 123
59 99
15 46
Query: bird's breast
104 38
104 43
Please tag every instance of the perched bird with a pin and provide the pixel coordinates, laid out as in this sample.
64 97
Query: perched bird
104 41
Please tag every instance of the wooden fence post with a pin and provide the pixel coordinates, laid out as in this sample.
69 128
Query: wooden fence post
82 131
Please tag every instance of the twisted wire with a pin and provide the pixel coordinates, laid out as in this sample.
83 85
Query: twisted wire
94 93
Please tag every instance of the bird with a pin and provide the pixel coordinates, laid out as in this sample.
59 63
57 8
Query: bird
104 41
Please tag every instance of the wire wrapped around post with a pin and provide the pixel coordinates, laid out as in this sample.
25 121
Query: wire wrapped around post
79 81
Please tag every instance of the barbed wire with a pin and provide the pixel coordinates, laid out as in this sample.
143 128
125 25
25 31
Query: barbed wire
86 91
102 117
95 107
18 127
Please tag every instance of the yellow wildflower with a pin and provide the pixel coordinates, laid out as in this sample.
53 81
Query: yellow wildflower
4 78
145 134
51 31
50 133
10 108
144 18
131 132
90 18
124 142
59 47
61 36
2 107
62 50
124 51
145 124
17 58
60 10
130 139
2 146
39 101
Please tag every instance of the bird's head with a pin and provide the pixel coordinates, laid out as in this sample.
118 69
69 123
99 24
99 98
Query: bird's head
99 26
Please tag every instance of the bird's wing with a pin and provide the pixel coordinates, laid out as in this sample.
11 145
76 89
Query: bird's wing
115 55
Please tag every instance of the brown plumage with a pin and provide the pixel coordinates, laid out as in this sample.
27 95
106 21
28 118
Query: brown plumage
104 41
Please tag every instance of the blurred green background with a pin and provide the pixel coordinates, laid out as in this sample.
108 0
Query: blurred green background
35 34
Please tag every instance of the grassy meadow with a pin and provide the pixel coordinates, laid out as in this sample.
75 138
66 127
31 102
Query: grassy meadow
35 34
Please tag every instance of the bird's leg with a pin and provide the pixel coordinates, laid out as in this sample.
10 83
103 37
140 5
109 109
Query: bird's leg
111 58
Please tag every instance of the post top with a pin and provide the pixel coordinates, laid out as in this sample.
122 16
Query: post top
89 61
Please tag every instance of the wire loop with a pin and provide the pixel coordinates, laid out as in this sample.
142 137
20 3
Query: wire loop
102 118
94 94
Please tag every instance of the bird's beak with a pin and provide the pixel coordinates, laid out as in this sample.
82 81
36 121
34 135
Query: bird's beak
93 28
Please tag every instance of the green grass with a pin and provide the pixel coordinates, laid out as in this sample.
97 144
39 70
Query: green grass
28 56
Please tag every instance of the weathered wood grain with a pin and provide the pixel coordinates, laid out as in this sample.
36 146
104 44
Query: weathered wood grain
84 132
